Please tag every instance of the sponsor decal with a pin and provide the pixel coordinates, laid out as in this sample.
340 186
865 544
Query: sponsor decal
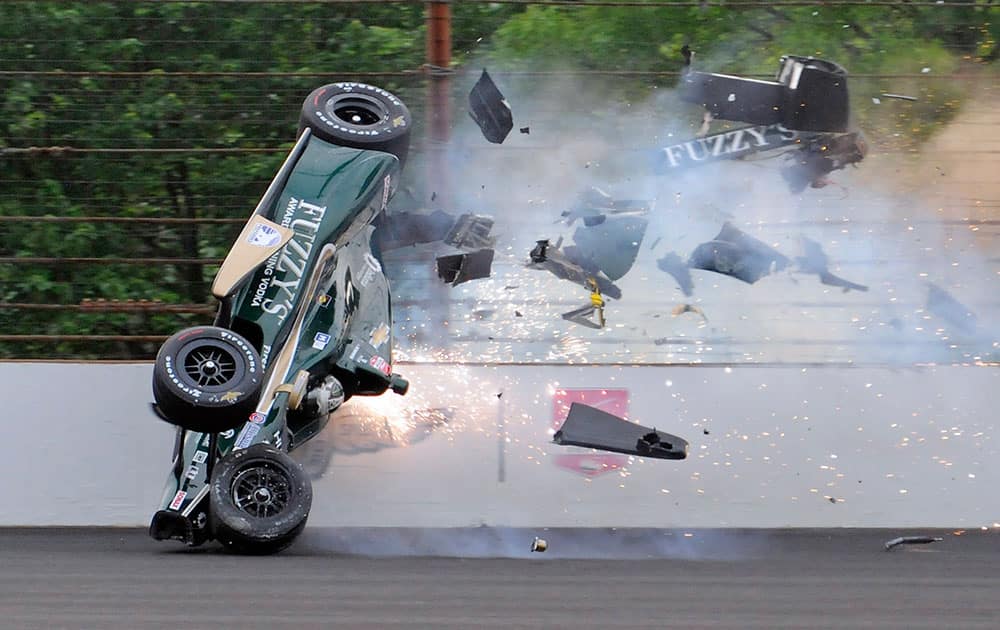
324 300
257 417
205 441
282 274
381 365
320 341
399 121
178 500
379 335
354 353
246 436
276 438
729 144
230 396
192 472
373 262
265 352
228 433
583 461
199 457
264 235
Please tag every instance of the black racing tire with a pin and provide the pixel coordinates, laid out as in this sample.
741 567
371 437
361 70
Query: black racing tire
259 500
207 379
358 115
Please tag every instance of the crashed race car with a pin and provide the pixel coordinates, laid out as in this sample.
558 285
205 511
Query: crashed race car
303 324
805 110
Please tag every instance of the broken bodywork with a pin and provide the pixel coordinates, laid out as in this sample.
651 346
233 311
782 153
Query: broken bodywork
592 428
805 110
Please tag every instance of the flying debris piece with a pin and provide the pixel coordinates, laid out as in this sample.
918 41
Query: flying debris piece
688 55
525 130
539 545
490 110
814 260
594 207
595 308
410 228
739 255
458 268
570 264
675 266
901 97
680 309
821 156
911 540
942 304
471 231
592 428
809 95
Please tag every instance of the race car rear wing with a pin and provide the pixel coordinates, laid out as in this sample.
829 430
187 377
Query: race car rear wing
809 95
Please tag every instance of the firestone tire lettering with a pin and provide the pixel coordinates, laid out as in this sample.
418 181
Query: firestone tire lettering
226 398
390 134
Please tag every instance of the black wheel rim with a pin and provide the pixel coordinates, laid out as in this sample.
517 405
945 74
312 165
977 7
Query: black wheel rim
356 110
210 365
262 490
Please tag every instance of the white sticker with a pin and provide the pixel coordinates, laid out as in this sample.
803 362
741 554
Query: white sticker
192 472
320 341
247 435
264 235
385 191
199 457
178 499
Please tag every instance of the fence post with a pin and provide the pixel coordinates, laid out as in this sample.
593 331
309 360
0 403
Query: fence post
438 110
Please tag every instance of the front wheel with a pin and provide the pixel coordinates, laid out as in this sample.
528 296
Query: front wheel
207 379
358 115
259 499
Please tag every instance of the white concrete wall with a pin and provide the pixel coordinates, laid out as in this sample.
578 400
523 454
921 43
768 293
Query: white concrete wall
889 447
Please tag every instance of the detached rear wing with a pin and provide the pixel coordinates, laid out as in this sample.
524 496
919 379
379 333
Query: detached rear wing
809 95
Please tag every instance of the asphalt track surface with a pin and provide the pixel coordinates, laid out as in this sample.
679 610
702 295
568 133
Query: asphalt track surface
118 578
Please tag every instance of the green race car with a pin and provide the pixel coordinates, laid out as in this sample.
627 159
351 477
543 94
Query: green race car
304 322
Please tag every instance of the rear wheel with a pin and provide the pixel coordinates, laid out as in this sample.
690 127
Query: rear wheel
207 379
358 115
260 500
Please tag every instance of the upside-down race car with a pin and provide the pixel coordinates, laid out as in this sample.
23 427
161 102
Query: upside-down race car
304 322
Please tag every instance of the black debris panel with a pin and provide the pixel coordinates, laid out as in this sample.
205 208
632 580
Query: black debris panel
734 253
490 110
808 95
471 231
673 264
814 260
911 540
458 268
592 428
403 229
610 246
944 305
